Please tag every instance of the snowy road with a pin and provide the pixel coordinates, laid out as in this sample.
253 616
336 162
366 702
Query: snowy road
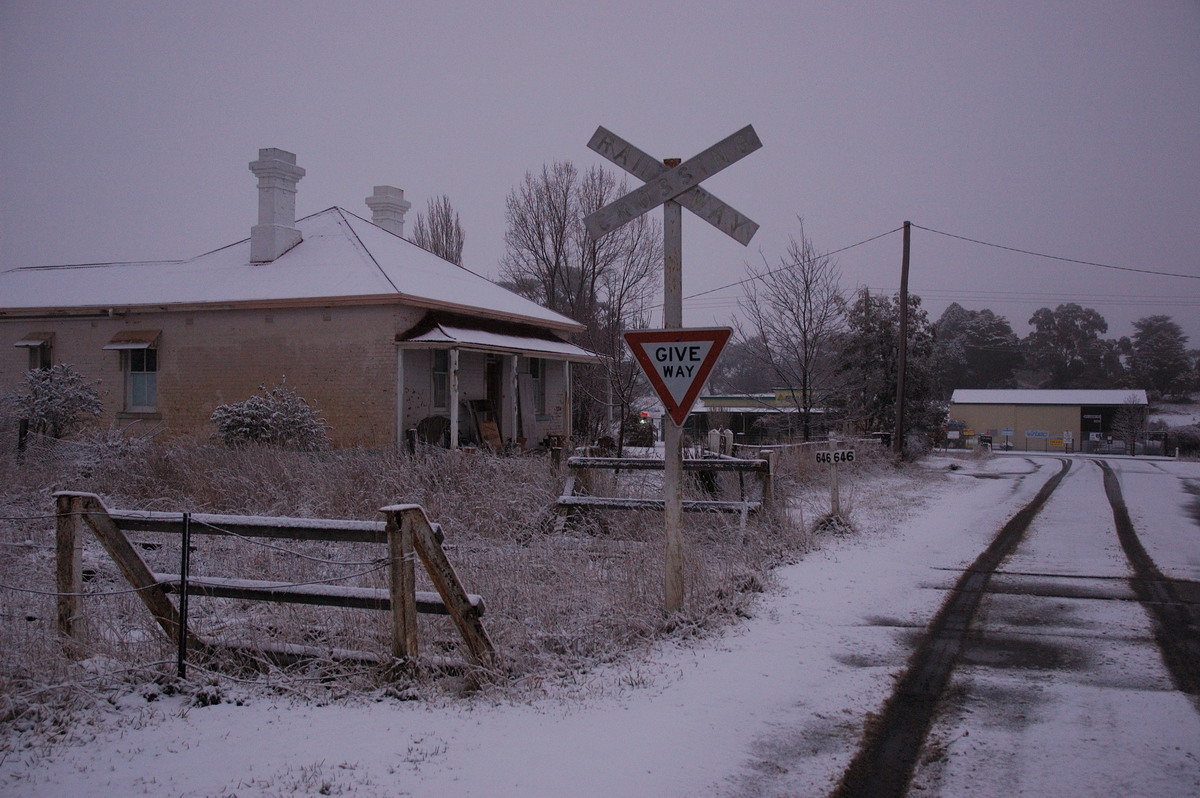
1060 689
1060 686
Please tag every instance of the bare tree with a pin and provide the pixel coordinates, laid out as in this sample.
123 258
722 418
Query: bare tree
792 313
439 230
1130 423
608 284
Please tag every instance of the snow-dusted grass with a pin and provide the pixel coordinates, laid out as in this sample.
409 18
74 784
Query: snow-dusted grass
575 615
558 604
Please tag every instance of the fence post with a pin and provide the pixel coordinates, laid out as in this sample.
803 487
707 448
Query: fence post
402 582
448 586
768 480
185 560
131 565
68 545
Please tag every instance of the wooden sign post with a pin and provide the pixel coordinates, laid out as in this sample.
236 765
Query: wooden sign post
674 185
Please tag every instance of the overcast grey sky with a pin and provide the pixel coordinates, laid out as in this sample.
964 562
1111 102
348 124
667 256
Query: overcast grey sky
1068 128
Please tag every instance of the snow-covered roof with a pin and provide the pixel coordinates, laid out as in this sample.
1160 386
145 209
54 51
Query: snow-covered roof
979 396
488 341
341 258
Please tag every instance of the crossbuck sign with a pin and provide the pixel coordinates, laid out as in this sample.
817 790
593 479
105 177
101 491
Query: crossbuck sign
676 361
680 184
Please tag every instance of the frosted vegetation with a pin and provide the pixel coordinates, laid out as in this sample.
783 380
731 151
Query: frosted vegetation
560 603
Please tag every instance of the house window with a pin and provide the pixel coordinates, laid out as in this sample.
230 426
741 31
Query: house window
441 379
141 379
139 365
40 346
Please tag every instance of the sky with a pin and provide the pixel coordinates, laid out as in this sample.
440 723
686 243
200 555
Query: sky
1063 128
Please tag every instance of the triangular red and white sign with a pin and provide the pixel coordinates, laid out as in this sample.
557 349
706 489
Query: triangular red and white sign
677 362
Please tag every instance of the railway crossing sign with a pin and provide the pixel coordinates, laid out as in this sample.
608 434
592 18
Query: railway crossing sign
677 362
700 202
685 362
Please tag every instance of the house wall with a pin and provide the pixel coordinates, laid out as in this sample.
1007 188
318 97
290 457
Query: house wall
342 360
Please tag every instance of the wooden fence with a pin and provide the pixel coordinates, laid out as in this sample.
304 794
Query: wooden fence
406 530
576 495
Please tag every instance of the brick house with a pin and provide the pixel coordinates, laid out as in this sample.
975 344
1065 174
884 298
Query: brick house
377 333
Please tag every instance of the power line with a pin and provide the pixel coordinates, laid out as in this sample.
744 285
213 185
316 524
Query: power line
1057 257
791 265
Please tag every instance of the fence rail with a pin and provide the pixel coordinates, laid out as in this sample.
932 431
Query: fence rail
406 530
576 495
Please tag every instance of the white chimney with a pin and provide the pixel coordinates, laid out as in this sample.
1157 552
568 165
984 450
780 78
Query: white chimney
388 207
276 231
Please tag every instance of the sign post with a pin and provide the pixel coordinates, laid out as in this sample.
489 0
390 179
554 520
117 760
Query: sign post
674 184
832 459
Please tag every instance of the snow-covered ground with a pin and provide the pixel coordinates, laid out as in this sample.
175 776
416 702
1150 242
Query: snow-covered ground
774 706
1176 415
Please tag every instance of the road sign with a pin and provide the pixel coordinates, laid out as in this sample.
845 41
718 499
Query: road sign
677 362
836 456
696 199
672 182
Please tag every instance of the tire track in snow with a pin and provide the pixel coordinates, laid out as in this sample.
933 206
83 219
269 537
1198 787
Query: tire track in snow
885 760
1176 622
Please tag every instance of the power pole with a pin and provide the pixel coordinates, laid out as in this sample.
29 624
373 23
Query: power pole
898 438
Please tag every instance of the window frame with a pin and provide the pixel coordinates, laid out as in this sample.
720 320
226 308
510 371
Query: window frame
143 381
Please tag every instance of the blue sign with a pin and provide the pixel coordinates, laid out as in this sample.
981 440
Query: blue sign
1037 433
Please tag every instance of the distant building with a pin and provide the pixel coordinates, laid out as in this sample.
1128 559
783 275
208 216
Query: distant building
1047 420
754 418
377 333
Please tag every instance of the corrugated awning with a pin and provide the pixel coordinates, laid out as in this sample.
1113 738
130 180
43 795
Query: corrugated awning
36 339
443 336
134 339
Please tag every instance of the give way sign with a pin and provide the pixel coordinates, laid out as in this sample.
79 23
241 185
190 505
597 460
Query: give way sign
677 362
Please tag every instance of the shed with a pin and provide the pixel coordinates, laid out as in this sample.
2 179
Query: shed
1049 420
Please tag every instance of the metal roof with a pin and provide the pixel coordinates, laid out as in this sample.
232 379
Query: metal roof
974 396
342 259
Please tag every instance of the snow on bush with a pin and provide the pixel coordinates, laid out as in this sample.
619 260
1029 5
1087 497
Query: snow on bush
55 401
276 417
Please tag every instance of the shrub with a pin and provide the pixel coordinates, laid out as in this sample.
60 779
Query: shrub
55 401
276 417
639 431
1187 439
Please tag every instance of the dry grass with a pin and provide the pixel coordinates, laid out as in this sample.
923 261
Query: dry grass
559 604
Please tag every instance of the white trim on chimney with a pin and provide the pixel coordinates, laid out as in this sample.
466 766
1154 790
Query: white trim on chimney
276 231
388 207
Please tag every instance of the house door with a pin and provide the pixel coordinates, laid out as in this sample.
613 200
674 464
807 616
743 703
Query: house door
493 381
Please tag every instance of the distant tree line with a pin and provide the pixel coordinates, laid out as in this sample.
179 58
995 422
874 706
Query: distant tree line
797 328
838 352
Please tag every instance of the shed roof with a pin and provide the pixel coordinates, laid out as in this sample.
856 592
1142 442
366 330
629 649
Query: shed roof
342 258
978 396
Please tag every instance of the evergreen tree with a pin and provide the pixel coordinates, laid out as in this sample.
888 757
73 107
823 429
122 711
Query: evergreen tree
1066 351
868 362
1159 358
974 349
